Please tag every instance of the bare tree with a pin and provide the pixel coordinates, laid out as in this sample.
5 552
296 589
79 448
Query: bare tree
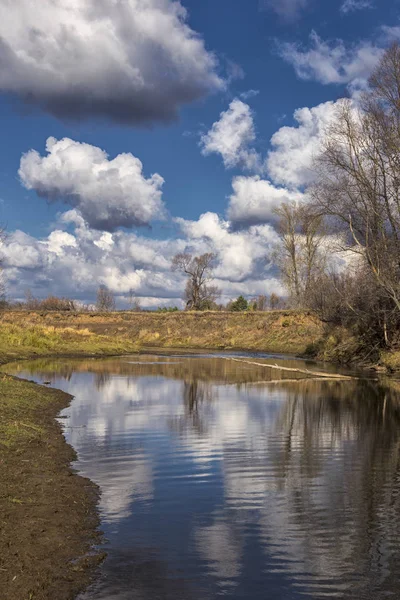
105 301
301 253
359 174
274 301
134 303
199 293
358 182
261 302
31 303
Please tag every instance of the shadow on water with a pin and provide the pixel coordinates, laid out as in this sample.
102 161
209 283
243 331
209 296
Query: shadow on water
227 479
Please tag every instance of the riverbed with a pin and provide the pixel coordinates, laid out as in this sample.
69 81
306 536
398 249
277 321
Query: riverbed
222 477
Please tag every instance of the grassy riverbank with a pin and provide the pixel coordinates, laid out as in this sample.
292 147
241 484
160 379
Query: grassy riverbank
24 338
278 331
25 334
340 346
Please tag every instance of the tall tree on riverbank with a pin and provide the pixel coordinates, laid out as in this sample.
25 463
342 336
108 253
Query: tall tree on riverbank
301 251
199 293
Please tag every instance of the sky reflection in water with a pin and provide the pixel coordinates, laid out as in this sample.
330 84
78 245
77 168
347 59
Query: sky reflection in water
217 481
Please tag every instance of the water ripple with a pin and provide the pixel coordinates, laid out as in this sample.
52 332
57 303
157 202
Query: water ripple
214 484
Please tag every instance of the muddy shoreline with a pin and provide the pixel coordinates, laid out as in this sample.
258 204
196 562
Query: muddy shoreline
48 513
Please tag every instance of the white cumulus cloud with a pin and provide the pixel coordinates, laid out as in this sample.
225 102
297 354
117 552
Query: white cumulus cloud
332 62
21 251
108 193
241 255
59 240
135 61
290 159
254 200
231 137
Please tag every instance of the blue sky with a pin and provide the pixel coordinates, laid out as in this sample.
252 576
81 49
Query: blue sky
72 80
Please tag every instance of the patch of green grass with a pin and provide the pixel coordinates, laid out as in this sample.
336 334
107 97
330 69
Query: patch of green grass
19 403
22 340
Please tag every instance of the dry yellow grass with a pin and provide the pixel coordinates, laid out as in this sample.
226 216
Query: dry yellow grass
391 361
278 331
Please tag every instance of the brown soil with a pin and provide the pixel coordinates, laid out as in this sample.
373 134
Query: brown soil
48 517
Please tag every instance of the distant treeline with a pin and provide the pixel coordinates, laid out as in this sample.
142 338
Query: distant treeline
106 303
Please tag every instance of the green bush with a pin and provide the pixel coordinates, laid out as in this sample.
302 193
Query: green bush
240 304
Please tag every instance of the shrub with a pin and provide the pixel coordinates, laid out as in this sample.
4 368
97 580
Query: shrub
49 303
54 303
239 305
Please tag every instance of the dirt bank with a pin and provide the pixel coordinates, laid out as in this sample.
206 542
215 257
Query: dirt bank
48 515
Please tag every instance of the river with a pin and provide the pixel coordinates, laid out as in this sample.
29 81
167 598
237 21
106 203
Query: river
221 478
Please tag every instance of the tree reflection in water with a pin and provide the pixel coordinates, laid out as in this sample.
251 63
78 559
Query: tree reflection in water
337 472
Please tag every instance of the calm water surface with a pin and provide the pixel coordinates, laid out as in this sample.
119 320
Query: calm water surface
221 479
